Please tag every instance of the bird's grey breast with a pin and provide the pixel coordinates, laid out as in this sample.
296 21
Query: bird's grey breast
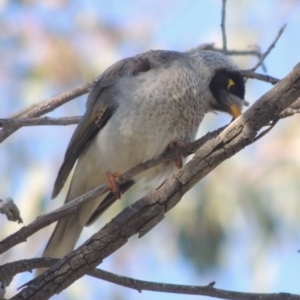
154 109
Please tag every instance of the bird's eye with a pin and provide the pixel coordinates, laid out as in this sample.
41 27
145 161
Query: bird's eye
230 84
231 87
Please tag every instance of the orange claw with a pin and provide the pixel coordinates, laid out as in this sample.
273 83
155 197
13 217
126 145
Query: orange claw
112 184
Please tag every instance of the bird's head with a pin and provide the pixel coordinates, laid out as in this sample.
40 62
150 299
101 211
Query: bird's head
228 90
226 83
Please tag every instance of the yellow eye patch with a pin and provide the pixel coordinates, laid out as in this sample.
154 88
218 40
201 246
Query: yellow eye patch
230 83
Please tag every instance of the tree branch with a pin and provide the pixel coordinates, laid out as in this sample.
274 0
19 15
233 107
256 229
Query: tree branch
75 120
223 17
264 55
206 290
262 77
143 215
11 269
40 222
211 47
39 121
45 107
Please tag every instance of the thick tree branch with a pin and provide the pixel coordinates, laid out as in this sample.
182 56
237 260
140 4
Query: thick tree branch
143 215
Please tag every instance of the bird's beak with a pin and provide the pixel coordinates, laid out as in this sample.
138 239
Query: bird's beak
229 103
234 110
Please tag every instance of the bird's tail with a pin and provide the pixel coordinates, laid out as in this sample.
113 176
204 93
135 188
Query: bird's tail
63 239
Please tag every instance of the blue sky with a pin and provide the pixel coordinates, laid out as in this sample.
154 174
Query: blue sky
176 25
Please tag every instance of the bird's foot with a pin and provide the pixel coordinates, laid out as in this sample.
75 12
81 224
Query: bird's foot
180 145
112 184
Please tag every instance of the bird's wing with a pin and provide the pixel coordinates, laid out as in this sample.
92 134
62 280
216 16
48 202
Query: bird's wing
101 105
88 127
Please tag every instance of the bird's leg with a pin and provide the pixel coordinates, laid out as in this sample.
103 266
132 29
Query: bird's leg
112 184
180 145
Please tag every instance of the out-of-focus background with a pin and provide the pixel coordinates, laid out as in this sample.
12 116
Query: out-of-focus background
239 226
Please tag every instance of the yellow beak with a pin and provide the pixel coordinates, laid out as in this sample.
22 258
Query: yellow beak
235 111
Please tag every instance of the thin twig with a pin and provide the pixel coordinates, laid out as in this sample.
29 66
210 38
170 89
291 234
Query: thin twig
264 55
253 75
243 52
39 121
11 269
206 290
223 17
40 222
47 106
240 52
211 47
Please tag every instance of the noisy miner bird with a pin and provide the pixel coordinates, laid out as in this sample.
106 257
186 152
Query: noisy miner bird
135 110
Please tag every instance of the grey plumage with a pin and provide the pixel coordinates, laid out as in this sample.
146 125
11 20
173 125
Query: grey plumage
136 108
